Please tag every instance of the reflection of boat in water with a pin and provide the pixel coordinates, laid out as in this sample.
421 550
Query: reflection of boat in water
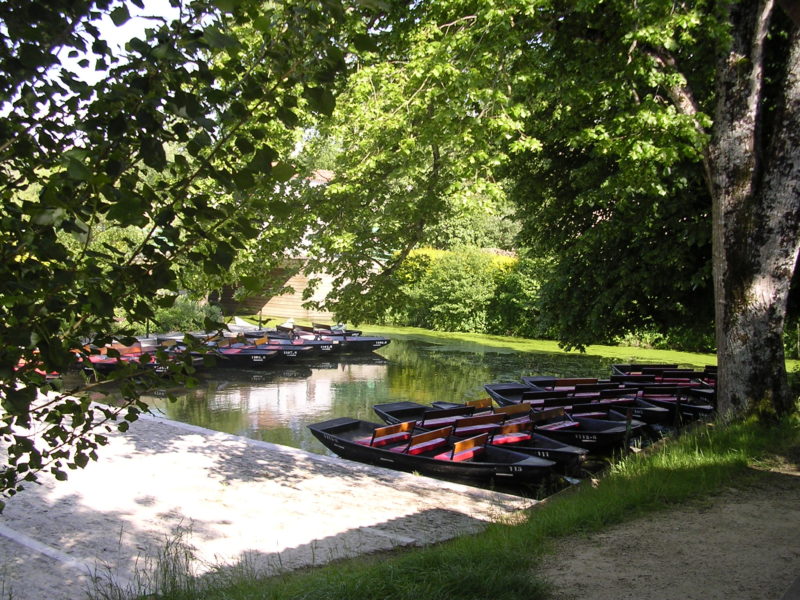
263 375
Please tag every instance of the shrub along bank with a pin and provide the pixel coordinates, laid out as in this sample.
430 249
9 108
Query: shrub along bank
480 291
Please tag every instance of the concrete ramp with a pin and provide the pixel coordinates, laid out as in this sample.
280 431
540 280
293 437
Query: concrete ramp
231 500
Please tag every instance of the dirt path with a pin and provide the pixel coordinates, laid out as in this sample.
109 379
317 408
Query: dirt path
740 545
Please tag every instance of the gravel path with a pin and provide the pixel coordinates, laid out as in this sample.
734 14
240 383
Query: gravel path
743 544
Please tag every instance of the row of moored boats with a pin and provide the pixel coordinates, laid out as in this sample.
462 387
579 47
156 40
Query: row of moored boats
256 348
526 430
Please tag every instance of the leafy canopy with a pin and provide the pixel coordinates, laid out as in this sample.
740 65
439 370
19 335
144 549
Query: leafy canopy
170 155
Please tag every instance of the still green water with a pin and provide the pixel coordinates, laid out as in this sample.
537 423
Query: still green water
276 404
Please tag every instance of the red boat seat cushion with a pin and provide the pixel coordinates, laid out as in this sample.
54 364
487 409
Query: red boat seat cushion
390 434
425 442
510 438
459 456
427 446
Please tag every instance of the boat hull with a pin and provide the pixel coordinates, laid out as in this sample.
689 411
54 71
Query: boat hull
496 465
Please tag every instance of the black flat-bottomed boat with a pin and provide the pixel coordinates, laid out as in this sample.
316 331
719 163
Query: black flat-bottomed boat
435 453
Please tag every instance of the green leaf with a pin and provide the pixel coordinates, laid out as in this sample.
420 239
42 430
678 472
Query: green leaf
216 39
364 43
282 172
320 100
77 170
120 15
263 159
244 145
287 117
227 6
152 153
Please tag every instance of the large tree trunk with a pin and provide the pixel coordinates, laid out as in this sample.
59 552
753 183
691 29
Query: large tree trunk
755 171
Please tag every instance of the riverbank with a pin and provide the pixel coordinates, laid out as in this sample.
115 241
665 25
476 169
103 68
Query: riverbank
220 500
718 496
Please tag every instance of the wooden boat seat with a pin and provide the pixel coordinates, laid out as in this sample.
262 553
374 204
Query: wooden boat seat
522 408
512 434
425 442
567 384
465 449
480 404
547 413
445 416
474 425
543 394
591 414
383 436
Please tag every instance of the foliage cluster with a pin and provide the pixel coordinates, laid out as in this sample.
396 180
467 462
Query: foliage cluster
465 289
142 176
470 290
184 315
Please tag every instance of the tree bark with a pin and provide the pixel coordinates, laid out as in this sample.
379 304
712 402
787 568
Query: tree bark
755 168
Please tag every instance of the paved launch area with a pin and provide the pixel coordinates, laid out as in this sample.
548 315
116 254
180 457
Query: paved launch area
229 498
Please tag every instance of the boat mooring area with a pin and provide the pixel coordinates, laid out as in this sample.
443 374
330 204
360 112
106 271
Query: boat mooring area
231 500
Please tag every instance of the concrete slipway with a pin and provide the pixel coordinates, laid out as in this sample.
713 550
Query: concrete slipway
230 498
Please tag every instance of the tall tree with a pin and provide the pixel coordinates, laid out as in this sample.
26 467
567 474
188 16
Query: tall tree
421 128
642 122
754 164
653 114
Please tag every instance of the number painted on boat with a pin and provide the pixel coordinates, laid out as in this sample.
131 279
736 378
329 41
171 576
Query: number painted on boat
586 437
290 353
515 469
257 358
326 348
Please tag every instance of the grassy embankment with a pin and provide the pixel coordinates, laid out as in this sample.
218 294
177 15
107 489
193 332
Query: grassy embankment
501 562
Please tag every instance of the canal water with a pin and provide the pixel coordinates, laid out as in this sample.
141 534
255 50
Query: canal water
277 403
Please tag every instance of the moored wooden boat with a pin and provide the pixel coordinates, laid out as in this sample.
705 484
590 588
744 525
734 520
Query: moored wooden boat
423 415
509 427
596 435
683 403
435 453
514 393
521 438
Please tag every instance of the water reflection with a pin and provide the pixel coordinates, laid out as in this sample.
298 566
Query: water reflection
276 405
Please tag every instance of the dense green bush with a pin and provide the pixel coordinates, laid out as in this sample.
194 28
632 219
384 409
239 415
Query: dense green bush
184 315
513 309
470 290
453 294
686 339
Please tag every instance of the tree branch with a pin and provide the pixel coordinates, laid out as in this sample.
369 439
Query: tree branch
683 98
